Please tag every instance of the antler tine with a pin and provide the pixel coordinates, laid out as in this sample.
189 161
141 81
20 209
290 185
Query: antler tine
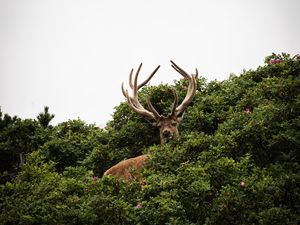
123 90
194 83
135 85
152 109
130 79
188 98
137 109
133 101
191 88
175 103
193 78
149 78
196 75
179 70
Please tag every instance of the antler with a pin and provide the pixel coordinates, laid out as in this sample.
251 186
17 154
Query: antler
133 100
178 110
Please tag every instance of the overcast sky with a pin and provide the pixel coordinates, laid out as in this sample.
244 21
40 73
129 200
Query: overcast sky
73 55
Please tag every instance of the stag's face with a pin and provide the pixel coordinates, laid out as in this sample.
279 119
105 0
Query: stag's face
168 129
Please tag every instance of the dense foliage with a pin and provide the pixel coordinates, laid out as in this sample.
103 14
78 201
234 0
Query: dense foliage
237 161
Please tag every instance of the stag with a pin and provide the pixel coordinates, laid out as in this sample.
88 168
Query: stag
168 125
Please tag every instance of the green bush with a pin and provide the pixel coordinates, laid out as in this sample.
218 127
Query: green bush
236 162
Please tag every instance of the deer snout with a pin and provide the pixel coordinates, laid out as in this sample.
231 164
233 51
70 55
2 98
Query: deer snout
166 134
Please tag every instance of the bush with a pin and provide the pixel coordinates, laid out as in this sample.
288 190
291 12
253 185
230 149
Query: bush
236 162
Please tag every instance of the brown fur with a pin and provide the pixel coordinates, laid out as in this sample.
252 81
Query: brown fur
127 168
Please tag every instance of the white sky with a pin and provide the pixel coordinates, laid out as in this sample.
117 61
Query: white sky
73 55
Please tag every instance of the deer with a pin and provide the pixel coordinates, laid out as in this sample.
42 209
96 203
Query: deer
128 169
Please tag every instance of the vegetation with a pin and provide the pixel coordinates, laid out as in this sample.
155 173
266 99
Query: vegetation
237 161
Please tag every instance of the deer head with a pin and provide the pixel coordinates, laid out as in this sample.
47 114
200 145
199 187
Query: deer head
168 125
